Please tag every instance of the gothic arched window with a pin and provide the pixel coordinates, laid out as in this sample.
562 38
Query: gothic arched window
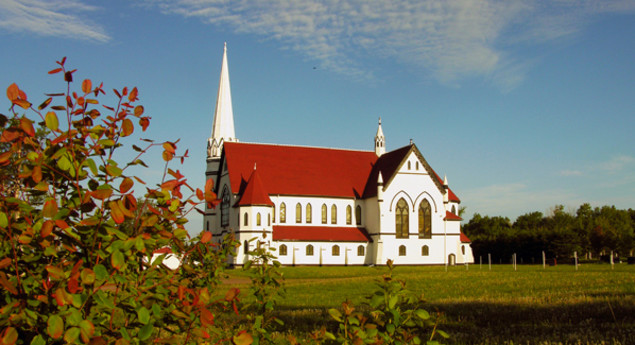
358 215
298 213
308 214
283 213
425 220
401 219
349 215
309 250
360 251
224 207
425 251
333 214
323 213
402 250
283 250
246 219
336 250
258 219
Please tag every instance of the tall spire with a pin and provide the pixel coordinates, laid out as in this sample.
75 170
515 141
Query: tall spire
380 141
223 126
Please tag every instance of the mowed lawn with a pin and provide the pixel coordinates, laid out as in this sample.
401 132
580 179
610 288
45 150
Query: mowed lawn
532 305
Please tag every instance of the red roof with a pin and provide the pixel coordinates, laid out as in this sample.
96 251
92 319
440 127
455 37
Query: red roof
313 171
254 193
464 239
451 216
295 170
320 233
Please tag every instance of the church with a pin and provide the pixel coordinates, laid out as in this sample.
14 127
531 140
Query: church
325 206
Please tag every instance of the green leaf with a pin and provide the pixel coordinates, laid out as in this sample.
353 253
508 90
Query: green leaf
335 314
393 301
422 314
4 222
145 332
87 329
100 272
71 335
38 340
117 260
55 326
376 301
51 121
243 338
91 165
64 163
144 315
443 334
113 170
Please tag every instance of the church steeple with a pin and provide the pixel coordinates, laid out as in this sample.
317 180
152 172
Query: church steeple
380 141
223 126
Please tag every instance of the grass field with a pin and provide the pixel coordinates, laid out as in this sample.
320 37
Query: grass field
593 305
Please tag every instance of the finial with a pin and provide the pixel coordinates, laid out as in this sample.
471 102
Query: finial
445 180
380 179
411 141
225 46
380 120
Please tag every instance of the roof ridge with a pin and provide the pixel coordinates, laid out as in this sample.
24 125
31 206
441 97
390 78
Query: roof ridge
304 146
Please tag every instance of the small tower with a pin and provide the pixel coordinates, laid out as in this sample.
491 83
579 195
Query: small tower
380 141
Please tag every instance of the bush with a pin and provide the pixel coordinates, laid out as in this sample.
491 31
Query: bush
77 244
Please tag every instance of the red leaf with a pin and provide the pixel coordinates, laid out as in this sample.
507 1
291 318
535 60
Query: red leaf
133 95
125 185
50 208
62 224
6 284
53 71
127 127
144 122
87 86
199 194
116 212
101 194
13 92
9 135
36 175
207 318
4 263
47 228
206 237
138 110
9 336
27 126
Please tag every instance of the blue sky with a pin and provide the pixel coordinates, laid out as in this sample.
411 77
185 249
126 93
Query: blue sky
523 104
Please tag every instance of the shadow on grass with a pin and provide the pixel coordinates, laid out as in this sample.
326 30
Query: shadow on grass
611 321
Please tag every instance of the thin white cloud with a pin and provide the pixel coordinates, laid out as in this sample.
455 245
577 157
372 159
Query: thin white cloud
617 163
571 173
61 18
449 40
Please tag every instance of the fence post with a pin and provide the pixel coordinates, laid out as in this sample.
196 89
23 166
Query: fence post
543 260
575 258
612 262
489 260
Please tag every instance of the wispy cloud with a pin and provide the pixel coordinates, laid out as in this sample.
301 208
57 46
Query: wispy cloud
448 40
617 163
571 173
56 18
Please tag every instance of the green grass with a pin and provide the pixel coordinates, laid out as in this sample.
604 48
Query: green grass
593 305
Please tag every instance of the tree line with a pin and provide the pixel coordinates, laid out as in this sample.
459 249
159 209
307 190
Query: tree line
592 233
